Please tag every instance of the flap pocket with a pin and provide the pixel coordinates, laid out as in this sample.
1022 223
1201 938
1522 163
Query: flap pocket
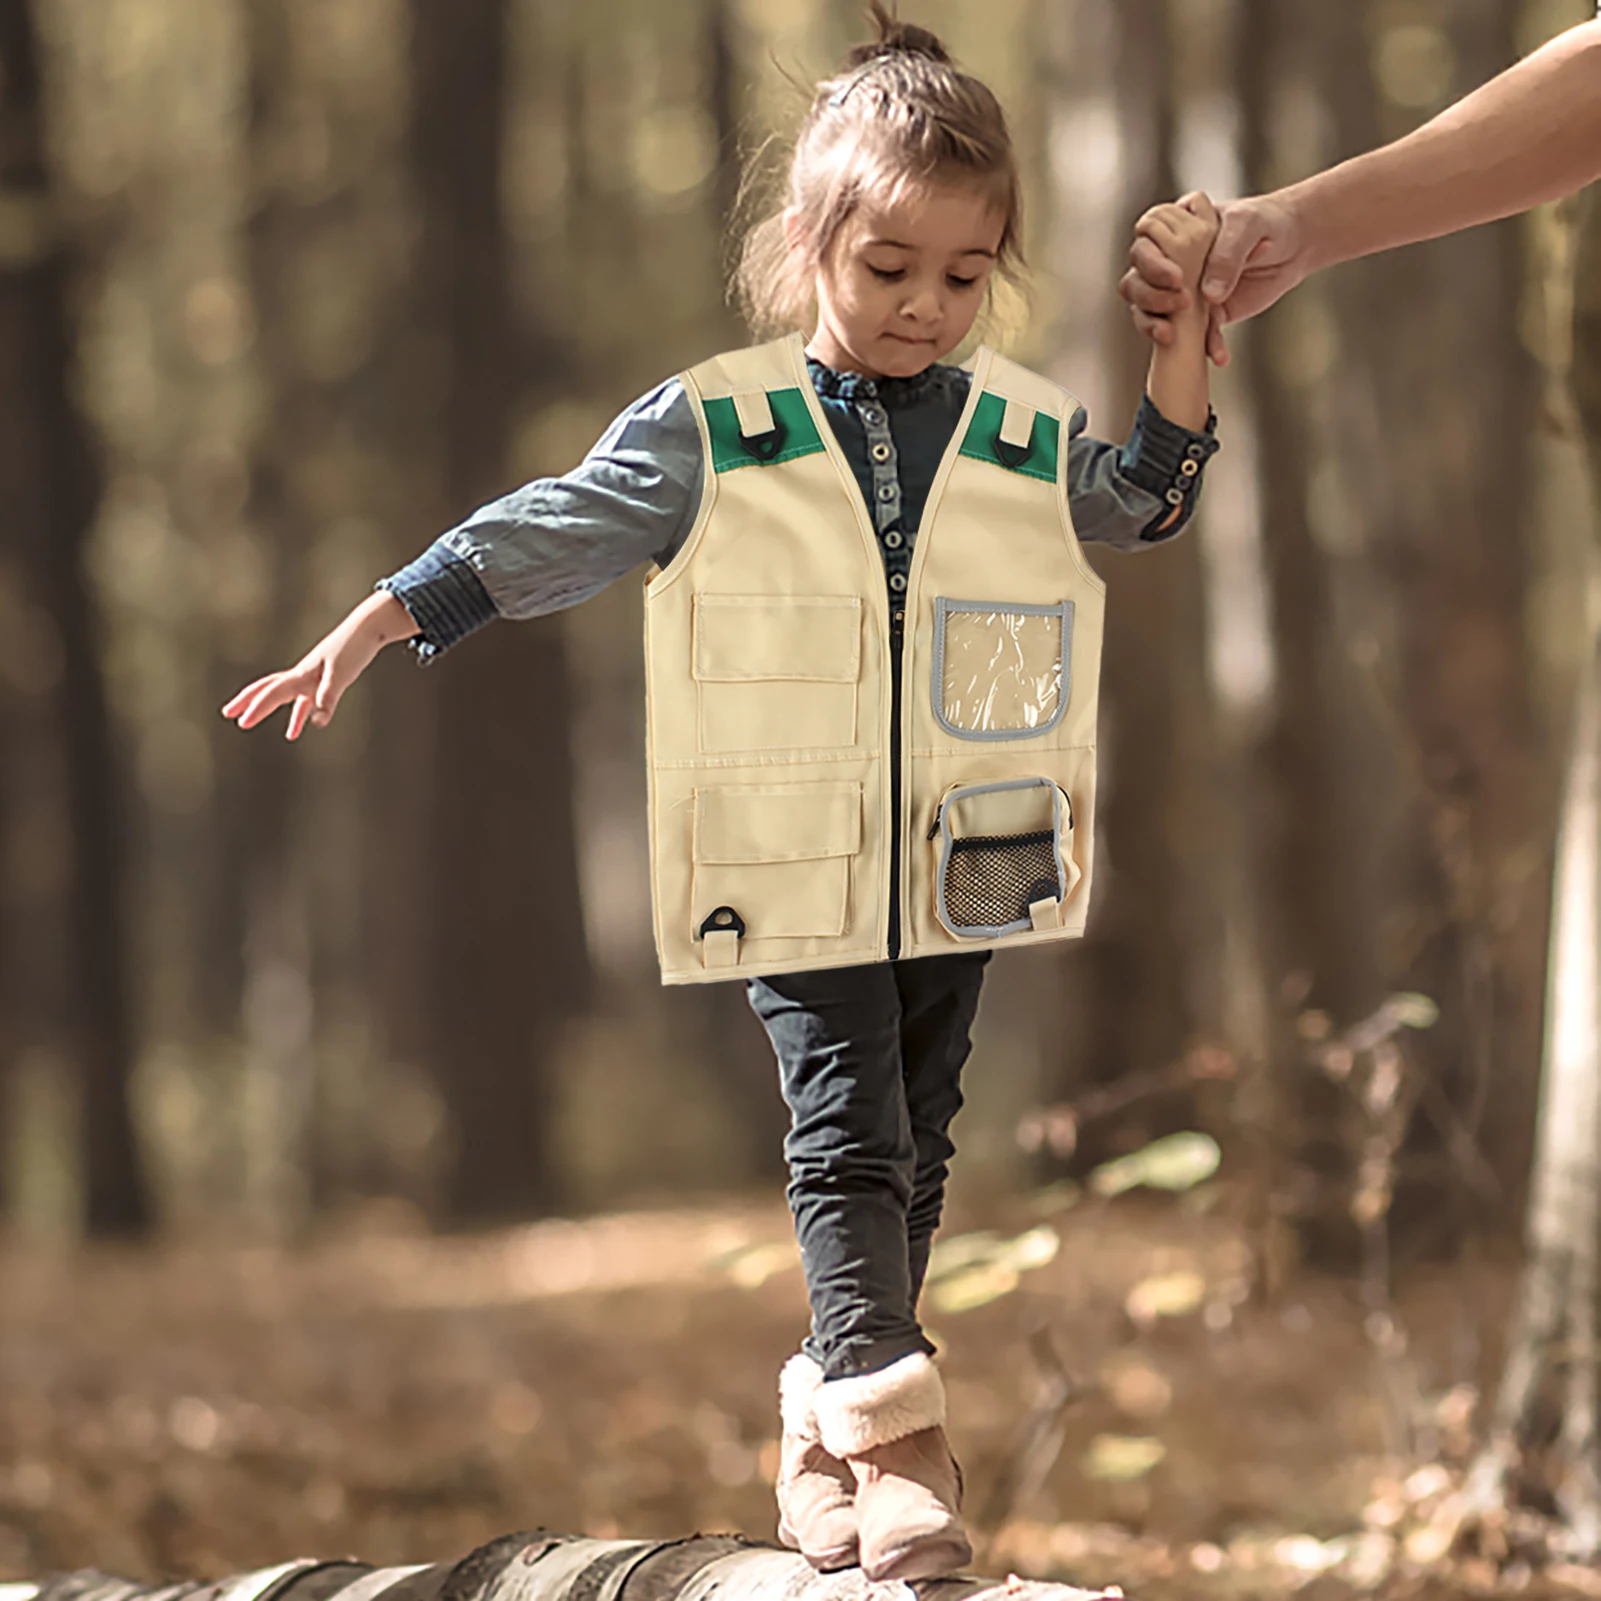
777 822
738 638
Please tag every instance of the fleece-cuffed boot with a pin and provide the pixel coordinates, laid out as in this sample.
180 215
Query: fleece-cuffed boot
816 1491
888 1427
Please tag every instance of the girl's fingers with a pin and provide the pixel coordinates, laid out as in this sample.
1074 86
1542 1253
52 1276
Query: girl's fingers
263 703
1154 279
233 707
298 713
327 694
276 691
1144 297
1152 262
1157 329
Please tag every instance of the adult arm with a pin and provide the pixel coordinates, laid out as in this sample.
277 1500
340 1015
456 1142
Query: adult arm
1531 134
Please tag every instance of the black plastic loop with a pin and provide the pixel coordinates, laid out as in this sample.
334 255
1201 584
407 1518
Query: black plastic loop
723 920
1014 455
765 446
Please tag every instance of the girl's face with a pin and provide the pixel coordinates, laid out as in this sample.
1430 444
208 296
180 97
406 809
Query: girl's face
902 281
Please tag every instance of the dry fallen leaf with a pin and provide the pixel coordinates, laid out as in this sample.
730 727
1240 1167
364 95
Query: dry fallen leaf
1121 1458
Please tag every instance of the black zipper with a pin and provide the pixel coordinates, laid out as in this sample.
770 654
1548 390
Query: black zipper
897 631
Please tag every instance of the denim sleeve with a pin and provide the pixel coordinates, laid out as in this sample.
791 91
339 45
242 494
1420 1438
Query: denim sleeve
557 541
1120 495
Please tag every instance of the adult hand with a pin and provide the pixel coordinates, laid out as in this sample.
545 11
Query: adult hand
1260 254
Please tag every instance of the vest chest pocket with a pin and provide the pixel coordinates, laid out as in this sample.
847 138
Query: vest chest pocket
1001 668
776 672
1004 857
779 855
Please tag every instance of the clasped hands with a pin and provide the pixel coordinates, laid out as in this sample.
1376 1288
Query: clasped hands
1259 254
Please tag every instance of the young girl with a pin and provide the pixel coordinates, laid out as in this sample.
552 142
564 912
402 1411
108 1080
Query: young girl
872 651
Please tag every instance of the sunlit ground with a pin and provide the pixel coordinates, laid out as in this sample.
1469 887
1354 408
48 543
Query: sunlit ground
400 1398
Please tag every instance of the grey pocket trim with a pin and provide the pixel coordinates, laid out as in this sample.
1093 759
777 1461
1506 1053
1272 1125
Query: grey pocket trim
942 611
947 840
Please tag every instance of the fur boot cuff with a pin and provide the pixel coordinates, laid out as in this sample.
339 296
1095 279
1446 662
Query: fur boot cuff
854 1415
797 1394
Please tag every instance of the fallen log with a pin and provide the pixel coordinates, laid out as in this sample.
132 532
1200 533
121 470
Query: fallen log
540 1566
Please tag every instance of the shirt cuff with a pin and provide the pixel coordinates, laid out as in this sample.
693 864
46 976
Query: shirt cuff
1168 461
446 599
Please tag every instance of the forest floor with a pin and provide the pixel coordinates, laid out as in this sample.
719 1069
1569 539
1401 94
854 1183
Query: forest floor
385 1394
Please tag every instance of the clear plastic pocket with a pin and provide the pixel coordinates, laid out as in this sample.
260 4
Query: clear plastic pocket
1004 858
1000 667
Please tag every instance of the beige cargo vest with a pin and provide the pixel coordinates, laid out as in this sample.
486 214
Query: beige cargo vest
786 805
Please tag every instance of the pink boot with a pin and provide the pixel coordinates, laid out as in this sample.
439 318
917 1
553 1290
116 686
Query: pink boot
889 1428
816 1505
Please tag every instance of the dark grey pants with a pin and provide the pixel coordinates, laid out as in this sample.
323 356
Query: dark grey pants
870 1062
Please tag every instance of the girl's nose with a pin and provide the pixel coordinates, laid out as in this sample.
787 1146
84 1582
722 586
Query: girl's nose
922 305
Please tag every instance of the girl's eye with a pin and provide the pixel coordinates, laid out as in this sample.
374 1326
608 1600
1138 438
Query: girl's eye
960 283
885 274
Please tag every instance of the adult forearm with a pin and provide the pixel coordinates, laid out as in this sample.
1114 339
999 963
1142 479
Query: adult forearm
1529 135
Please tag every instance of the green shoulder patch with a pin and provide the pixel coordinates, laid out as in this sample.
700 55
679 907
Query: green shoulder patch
791 415
982 434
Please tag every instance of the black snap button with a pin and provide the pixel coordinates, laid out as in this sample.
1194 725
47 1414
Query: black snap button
893 540
1195 452
1189 468
897 582
1175 497
887 491
881 451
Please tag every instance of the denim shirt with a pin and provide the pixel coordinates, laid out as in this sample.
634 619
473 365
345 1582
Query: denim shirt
634 498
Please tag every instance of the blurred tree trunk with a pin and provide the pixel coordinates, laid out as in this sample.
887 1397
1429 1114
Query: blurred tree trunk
1324 903
51 485
326 270
1434 404
506 962
1554 1319
1153 672
257 960
1319 789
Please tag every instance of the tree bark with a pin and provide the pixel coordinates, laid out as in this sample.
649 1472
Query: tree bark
1153 669
1323 910
1434 408
50 484
539 1566
1555 1306
506 960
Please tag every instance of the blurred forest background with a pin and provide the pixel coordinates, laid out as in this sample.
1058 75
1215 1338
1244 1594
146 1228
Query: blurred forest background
289 286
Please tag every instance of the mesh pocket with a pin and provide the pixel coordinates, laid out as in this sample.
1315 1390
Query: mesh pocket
991 880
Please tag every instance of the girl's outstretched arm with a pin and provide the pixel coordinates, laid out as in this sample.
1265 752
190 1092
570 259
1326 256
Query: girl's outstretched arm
312 687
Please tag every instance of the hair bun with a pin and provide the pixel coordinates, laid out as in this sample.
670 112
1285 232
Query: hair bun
896 38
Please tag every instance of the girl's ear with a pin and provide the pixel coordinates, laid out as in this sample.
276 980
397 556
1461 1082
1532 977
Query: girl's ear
794 230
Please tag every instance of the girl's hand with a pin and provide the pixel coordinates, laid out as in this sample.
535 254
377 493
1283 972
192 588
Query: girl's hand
313 686
1183 231
1260 254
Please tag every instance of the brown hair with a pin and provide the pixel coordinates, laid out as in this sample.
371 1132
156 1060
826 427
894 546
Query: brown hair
899 115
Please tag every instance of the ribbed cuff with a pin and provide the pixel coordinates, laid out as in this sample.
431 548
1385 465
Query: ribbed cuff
1168 461
446 599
